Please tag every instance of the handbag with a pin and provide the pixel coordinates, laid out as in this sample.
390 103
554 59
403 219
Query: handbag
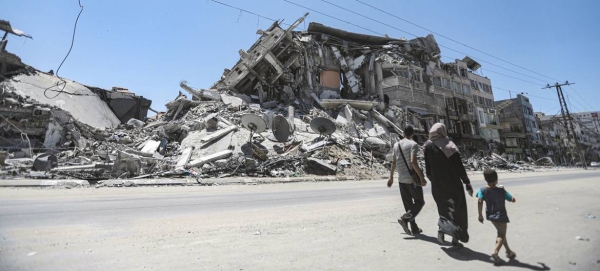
413 174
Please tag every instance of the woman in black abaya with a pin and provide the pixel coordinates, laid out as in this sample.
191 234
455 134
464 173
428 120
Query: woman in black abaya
445 170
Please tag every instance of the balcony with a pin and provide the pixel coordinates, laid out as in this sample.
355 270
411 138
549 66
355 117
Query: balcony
513 135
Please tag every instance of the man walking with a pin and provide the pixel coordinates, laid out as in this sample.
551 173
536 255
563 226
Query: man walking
405 161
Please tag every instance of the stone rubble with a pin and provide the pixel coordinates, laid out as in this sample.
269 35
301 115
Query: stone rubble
296 75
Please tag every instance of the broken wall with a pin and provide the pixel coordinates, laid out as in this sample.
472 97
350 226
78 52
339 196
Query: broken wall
83 104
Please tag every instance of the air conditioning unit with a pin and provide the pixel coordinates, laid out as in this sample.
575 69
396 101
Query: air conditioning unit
492 111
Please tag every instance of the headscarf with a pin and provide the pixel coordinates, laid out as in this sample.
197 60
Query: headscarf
439 137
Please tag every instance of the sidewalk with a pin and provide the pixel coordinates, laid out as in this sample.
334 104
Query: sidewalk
217 181
165 181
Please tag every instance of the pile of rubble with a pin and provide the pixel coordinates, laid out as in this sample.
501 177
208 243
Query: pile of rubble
286 77
499 162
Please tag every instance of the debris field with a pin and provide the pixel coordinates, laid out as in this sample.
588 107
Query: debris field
295 104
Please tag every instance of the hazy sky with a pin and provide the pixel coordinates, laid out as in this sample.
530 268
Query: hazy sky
150 46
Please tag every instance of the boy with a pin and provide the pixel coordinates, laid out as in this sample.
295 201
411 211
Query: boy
494 196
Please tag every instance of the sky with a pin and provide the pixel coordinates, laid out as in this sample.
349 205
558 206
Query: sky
150 46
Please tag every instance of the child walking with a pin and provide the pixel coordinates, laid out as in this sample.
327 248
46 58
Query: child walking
494 196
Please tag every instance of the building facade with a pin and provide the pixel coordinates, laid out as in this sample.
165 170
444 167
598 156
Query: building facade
457 97
520 132
587 131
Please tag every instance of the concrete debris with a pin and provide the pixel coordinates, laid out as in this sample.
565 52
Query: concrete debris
496 161
321 167
45 162
352 79
210 158
135 123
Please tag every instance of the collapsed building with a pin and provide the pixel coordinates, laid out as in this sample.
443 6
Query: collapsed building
42 112
323 101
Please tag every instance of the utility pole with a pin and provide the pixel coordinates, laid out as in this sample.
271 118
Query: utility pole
564 109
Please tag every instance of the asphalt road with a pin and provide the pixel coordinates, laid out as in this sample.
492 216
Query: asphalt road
50 229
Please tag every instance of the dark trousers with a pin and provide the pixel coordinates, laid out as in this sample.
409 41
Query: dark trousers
412 198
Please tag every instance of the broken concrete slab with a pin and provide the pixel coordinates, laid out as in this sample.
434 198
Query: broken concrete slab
336 103
231 100
185 157
77 99
210 158
202 93
322 167
218 134
345 115
151 146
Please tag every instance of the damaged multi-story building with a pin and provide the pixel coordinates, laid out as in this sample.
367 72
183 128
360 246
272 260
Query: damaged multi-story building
554 131
519 128
404 79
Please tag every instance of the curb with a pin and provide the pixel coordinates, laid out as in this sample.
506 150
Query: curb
173 182
43 183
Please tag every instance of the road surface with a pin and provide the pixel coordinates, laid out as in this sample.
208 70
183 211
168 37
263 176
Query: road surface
300 226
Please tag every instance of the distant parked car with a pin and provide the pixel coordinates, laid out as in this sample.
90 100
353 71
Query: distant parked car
595 164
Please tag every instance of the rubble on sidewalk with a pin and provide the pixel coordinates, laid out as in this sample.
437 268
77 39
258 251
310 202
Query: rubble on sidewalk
287 79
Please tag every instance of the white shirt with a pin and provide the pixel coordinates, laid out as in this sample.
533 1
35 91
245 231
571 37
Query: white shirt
408 147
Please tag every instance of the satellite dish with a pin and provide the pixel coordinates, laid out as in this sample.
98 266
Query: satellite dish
254 123
323 126
281 129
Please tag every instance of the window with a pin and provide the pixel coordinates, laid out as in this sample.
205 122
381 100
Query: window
481 118
489 102
446 83
481 100
473 85
437 81
456 86
471 108
511 142
450 103
466 89
463 72
475 99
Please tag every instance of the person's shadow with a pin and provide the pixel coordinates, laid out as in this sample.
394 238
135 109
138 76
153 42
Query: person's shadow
466 254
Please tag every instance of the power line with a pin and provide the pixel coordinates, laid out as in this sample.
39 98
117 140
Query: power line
63 61
361 27
404 31
579 108
244 10
72 38
316 11
488 70
383 11
539 97
580 97
356 13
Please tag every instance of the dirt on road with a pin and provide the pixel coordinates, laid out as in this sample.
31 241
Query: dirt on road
340 235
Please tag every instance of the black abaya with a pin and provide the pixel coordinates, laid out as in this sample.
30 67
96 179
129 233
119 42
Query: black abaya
445 174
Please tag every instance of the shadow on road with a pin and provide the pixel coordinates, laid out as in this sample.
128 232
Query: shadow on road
425 238
466 254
